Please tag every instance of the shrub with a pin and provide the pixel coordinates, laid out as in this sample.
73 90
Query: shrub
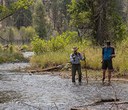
54 44
39 46
121 60
10 54
27 33
25 47
9 34
49 59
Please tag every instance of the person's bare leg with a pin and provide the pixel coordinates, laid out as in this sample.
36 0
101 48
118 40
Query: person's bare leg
109 77
103 79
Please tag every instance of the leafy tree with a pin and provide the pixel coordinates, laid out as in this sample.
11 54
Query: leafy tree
58 15
80 14
6 11
116 24
22 18
39 19
100 18
27 33
11 34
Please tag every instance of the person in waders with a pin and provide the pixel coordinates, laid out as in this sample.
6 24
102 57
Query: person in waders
108 53
75 58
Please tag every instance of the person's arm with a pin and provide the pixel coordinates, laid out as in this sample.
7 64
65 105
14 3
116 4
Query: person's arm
72 59
81 57
113 53
102 55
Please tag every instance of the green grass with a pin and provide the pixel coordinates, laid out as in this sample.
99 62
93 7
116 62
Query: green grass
10 57
10 54
93 58
49 59
47 56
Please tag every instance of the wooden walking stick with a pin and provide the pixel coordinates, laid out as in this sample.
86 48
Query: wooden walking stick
86 73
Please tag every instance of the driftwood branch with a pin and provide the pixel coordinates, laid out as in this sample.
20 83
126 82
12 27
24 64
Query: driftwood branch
47 69
7 16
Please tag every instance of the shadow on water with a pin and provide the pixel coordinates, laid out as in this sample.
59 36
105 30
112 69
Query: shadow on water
7 96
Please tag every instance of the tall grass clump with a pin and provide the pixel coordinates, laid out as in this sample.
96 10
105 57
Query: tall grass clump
10 54
121 60
49 59
57 50
93 57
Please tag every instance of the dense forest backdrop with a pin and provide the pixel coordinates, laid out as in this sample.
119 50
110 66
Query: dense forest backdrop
98 20
50 28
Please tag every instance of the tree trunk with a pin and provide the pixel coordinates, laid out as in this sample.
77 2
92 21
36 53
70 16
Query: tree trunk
100 22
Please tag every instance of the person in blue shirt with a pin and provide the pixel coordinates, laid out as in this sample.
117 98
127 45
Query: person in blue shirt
75 58
108 53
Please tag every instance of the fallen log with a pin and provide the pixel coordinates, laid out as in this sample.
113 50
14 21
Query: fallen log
47 69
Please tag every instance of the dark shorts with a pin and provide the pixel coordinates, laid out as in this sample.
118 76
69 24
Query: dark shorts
107 64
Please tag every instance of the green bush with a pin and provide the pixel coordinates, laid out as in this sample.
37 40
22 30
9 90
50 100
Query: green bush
10 54
10 57
27 33
54 44
50 59
25 47
9 34
39 46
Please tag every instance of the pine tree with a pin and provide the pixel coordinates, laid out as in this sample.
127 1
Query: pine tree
100 18
39 19
22 18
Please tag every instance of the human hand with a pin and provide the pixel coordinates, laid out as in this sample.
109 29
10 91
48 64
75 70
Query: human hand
102 61
83 55
73 57
84 58
113 55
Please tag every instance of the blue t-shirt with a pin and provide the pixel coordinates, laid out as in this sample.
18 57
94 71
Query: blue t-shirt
107 52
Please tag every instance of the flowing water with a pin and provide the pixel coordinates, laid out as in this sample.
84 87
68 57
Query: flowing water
24 91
